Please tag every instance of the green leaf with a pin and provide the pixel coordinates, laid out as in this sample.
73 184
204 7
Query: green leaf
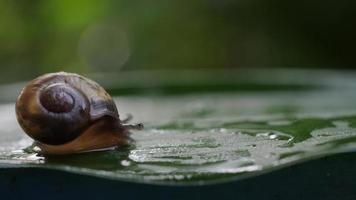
210 134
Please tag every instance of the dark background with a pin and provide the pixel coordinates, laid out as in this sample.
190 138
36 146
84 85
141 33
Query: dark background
89 36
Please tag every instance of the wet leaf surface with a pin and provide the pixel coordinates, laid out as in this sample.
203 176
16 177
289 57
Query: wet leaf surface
204 137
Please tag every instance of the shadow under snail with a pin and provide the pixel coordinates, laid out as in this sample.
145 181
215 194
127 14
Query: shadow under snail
67 113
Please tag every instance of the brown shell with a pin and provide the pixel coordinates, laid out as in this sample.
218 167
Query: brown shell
55 108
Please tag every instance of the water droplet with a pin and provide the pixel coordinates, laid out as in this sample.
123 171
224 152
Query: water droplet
222 130
272 136
267 134
125 163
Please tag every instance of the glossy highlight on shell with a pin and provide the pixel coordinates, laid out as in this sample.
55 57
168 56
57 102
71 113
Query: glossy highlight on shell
68 113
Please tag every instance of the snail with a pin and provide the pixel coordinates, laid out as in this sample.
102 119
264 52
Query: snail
67 113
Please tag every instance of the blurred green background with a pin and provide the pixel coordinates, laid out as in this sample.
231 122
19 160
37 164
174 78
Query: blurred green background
88 36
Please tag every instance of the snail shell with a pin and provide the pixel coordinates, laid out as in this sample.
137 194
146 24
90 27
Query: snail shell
68 113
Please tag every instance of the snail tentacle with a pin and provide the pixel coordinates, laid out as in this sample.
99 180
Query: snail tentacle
138 126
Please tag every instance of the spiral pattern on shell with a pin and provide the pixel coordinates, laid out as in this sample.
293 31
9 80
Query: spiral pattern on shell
55 108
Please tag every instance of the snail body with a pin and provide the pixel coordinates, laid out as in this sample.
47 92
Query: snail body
68 113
